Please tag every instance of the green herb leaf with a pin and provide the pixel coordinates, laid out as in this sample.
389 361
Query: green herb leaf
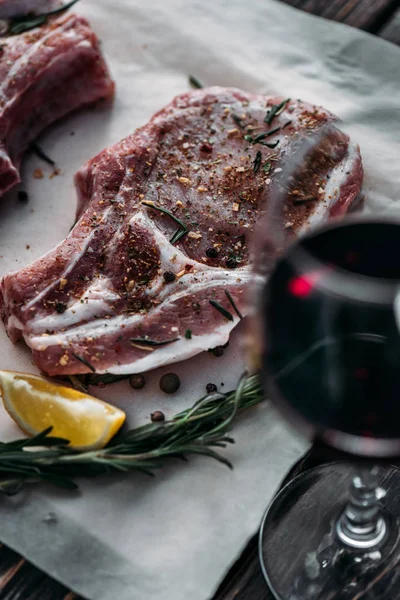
237 120
257 162
268 145
148 342
225 313
84 361
188 334
179 233
235 308
39 152
21 24
274 111
267 167
195 83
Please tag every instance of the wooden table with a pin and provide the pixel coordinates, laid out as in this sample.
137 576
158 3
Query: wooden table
19 580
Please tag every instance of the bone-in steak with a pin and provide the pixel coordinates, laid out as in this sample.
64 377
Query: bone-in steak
45 74
166 216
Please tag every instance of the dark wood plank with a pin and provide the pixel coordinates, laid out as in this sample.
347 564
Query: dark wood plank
364 14
391 31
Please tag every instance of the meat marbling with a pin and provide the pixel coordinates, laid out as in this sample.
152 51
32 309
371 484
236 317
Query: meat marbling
117 279
45 74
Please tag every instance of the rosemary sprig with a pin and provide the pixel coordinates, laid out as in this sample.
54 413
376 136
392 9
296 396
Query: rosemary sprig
198 430
21 24
225 313
179 233
195 83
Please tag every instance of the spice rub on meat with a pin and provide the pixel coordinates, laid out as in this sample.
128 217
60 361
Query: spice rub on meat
161 245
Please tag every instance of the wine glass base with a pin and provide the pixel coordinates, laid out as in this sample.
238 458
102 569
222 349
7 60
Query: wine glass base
301 555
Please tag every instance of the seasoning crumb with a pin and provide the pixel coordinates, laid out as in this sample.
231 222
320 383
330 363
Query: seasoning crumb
185 180
27 246
195 235
63 283
235 207
38 174
55 173
157 416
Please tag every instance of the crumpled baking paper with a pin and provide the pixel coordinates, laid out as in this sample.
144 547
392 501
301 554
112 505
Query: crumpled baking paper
175 536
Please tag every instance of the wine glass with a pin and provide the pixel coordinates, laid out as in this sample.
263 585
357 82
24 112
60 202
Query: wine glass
329 319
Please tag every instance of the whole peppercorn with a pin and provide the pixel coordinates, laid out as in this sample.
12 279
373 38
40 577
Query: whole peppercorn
169 277
211 388
212 252
157 416
218 351
137 382
170 383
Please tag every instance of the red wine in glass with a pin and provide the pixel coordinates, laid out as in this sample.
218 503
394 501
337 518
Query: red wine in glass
331 363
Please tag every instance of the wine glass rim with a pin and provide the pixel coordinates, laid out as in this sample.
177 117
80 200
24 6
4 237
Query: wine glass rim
359 287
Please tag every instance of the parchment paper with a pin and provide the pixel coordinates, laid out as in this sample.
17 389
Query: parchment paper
174 538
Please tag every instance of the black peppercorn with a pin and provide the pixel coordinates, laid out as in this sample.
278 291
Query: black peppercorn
169 277
170 383
61 307
137 382
218 351
231 263
211 388
212 252
157 416
23 196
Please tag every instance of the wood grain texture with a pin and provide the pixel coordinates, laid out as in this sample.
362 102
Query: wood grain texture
364 14
21 581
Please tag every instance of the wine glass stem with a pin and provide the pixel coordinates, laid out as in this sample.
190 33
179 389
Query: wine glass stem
361 524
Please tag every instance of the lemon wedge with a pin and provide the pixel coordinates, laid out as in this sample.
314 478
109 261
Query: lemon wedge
35 404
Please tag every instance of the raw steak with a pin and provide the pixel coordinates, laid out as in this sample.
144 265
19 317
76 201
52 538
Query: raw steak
128 290
45 74
18 8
